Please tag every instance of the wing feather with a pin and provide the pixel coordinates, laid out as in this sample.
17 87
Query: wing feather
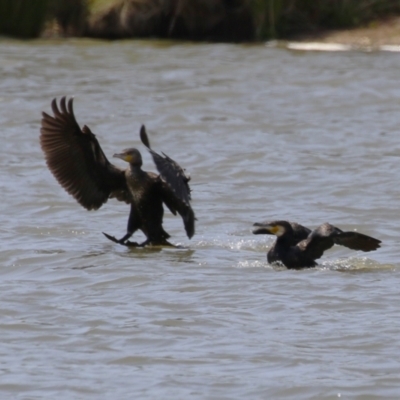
75 158
176 204
326 235
170 171
318 241
357 241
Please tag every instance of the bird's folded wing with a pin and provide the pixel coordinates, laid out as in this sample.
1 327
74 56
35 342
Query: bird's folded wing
319 240
176 204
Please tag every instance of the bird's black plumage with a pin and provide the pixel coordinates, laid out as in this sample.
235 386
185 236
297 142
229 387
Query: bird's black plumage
75 158
169 170
298 247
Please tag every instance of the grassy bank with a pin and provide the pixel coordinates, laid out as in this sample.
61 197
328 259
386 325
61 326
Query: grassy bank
218 20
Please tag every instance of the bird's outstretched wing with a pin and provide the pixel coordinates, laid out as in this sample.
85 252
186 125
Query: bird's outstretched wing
75 158
170 171
326 235
357 241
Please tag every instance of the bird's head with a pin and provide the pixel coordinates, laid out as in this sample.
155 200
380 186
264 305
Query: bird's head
277 228
132 156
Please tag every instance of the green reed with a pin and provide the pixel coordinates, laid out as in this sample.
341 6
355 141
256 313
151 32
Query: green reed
22 18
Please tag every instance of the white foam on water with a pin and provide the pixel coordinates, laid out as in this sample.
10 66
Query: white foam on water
318 46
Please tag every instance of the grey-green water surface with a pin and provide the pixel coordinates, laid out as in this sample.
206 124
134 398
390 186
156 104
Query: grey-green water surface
266 133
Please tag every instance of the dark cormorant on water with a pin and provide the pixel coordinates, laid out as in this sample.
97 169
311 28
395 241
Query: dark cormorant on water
75 158
298 247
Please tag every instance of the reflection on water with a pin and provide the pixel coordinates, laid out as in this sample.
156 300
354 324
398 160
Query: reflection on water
265 133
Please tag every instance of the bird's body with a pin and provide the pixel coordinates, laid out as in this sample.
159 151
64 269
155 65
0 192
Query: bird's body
75 158
298 247
147 209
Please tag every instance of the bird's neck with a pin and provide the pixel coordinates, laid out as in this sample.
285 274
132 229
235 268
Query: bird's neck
285 239
135 169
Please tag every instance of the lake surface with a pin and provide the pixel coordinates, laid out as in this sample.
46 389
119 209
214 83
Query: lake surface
266 133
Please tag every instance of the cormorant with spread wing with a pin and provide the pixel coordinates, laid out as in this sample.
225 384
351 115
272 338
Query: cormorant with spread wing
298 247
75 158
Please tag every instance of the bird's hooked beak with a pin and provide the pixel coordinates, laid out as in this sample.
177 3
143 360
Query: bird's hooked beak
123 156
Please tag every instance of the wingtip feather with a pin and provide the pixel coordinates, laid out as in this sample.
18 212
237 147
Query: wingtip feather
143 137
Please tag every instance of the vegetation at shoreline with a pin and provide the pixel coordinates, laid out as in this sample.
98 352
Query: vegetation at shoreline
22 18
286 18
213 20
